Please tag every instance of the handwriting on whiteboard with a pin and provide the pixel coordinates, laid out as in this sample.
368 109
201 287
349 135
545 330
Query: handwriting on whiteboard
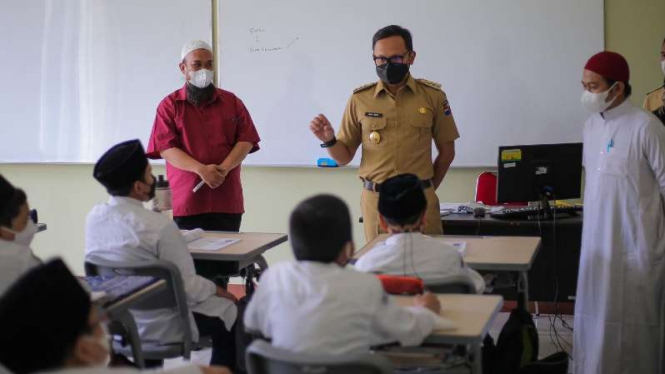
258 47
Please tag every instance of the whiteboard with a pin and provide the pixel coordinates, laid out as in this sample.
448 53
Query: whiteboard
81 75
511 68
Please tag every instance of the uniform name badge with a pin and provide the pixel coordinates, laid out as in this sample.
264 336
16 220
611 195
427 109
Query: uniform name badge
375 137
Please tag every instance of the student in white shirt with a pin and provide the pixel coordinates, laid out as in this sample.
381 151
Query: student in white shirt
123 230
16 233
317 306
48 324
407 251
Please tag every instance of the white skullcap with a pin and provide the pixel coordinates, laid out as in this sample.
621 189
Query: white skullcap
193 45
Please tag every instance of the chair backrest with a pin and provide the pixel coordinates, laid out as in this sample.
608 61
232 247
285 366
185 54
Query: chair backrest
173 298
458 283
263 358
486 188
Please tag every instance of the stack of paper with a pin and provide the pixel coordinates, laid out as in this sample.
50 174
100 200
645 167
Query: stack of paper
196 241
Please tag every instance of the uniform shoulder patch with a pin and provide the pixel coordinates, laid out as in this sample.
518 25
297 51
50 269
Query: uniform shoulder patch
434 85
364 87
657 89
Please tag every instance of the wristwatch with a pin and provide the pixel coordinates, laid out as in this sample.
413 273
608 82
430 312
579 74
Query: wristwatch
329 143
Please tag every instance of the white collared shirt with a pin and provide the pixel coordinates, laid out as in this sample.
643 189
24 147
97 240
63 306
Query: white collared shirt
318 308
123 230
15 260
415 254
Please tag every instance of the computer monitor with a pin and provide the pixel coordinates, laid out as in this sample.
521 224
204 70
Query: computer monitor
539 172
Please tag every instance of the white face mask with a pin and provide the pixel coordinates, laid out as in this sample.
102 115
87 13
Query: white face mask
662 66
24 237
201 78
596 102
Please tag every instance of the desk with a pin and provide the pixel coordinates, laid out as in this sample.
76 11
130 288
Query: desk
229 261
122 321
473 315
493 253
124 304
559 255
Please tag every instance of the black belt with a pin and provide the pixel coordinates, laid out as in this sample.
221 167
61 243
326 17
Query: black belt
371 186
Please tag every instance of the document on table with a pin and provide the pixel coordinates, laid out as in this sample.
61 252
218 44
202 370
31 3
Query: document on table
196 241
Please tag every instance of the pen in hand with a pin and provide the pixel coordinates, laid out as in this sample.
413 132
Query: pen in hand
216 168
198 186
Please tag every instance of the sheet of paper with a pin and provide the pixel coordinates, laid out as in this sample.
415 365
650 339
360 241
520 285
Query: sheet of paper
192 235
211 244
97 296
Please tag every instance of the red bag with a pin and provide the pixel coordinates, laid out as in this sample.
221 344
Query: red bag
397 285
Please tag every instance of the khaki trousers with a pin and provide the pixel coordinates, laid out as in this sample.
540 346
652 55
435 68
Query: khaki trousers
369 206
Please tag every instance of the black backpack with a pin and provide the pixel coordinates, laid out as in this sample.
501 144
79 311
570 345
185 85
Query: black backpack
516 351
516 347
243 338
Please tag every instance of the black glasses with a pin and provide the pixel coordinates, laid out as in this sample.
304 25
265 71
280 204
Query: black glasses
396 59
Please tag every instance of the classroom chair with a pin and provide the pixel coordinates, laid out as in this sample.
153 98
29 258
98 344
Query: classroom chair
263 358
486 188
173 298
457 283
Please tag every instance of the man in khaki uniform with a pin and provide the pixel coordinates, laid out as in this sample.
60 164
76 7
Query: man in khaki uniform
655 100
395 121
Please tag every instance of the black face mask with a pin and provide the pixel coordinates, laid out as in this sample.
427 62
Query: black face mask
198 96
153 188
392 73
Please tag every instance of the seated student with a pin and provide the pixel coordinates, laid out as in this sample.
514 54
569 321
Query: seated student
48 323
123 230
315 305
16 233
407 251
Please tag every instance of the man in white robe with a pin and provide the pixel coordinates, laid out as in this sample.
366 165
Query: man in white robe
618 309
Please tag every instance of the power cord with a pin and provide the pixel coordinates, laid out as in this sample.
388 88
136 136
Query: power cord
557 313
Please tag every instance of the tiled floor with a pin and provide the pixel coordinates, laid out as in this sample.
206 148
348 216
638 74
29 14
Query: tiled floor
547 339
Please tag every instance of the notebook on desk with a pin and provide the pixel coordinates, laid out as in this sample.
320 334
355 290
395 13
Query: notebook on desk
197 242
107 290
